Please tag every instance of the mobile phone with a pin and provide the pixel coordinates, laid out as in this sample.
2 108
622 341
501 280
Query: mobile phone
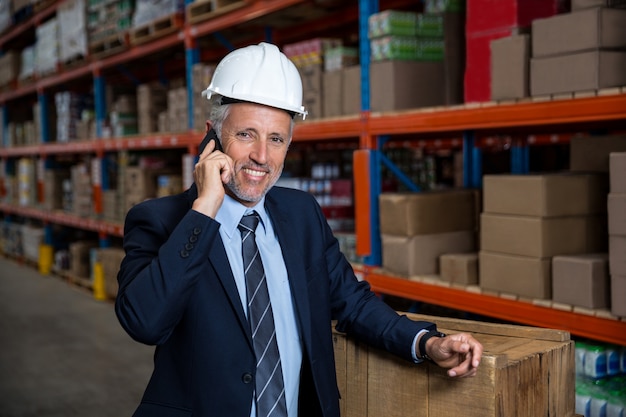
211 135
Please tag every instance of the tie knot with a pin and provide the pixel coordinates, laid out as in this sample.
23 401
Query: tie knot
249 222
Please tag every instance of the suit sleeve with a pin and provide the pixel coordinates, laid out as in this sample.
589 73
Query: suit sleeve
161 267
359 312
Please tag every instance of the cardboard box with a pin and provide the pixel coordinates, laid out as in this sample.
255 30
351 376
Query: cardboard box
617 214
617 174
617 255
586 71
80 258
618 295
581 280
545 195
477 76
312 90
351 90
589 154
542 237
409 214
524 372
419 255
584 30
525 276
332 87
487 15
510 62
459 268
397 85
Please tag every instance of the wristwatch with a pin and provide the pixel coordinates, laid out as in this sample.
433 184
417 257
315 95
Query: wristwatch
424 339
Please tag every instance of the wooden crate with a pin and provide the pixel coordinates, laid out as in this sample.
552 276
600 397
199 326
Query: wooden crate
525 372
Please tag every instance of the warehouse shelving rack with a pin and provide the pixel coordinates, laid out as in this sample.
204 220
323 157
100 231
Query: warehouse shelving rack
467 126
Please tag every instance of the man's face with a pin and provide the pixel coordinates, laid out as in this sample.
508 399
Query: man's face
256 137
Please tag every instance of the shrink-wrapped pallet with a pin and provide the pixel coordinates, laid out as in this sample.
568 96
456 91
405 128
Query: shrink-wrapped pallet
72 30
47 47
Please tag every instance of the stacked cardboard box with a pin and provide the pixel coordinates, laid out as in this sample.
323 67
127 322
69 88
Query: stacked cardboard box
177 109
82 190
53 188
417 228
151 100
32 238
587 43
529 219
140 183
80 258
110 258
418 63
308 56
123 116
202 74
617 233
488 20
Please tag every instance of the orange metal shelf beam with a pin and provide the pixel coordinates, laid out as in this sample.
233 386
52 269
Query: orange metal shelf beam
250 11
607 330
328 129
112 229
502 116
156 141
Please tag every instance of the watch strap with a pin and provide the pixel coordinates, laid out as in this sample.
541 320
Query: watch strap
422 343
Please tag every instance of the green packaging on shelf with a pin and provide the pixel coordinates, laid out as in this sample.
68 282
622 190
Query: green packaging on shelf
441 6
406 49
392 22
429 25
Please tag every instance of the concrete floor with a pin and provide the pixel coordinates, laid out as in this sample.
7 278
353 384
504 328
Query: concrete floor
62 353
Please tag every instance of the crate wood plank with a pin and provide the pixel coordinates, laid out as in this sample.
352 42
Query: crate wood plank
525 372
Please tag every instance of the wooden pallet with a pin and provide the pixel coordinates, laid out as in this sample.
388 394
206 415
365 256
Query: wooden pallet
109 45
156 29
200 11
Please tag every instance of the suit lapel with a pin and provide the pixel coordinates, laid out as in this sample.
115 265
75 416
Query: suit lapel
218 259
295 268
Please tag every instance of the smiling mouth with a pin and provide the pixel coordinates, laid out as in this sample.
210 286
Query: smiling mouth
254 173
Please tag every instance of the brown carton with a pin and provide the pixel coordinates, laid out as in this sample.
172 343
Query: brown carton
547 195
332 88
618 295
510 62
351 90
312 90
459 268
397 85
617 255
542 237
409 214
586 71
617 163
579 31
419 255
581 280
589 154
524 372
525 276
617 214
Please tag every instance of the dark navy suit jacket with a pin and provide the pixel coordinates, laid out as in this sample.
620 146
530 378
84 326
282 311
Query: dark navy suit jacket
177 291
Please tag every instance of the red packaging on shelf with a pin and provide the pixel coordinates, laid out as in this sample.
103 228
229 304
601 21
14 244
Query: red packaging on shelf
487 15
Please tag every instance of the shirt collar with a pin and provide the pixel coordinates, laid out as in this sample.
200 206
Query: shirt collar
231 212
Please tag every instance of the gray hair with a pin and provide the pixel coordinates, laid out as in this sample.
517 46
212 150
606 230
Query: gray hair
218 112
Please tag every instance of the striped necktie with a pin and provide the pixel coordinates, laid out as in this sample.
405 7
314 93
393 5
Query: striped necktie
269 387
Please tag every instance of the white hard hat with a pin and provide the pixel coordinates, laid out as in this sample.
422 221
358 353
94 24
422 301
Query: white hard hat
259 74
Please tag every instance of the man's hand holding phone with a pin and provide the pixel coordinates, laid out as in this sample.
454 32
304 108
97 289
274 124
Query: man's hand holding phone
211 172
